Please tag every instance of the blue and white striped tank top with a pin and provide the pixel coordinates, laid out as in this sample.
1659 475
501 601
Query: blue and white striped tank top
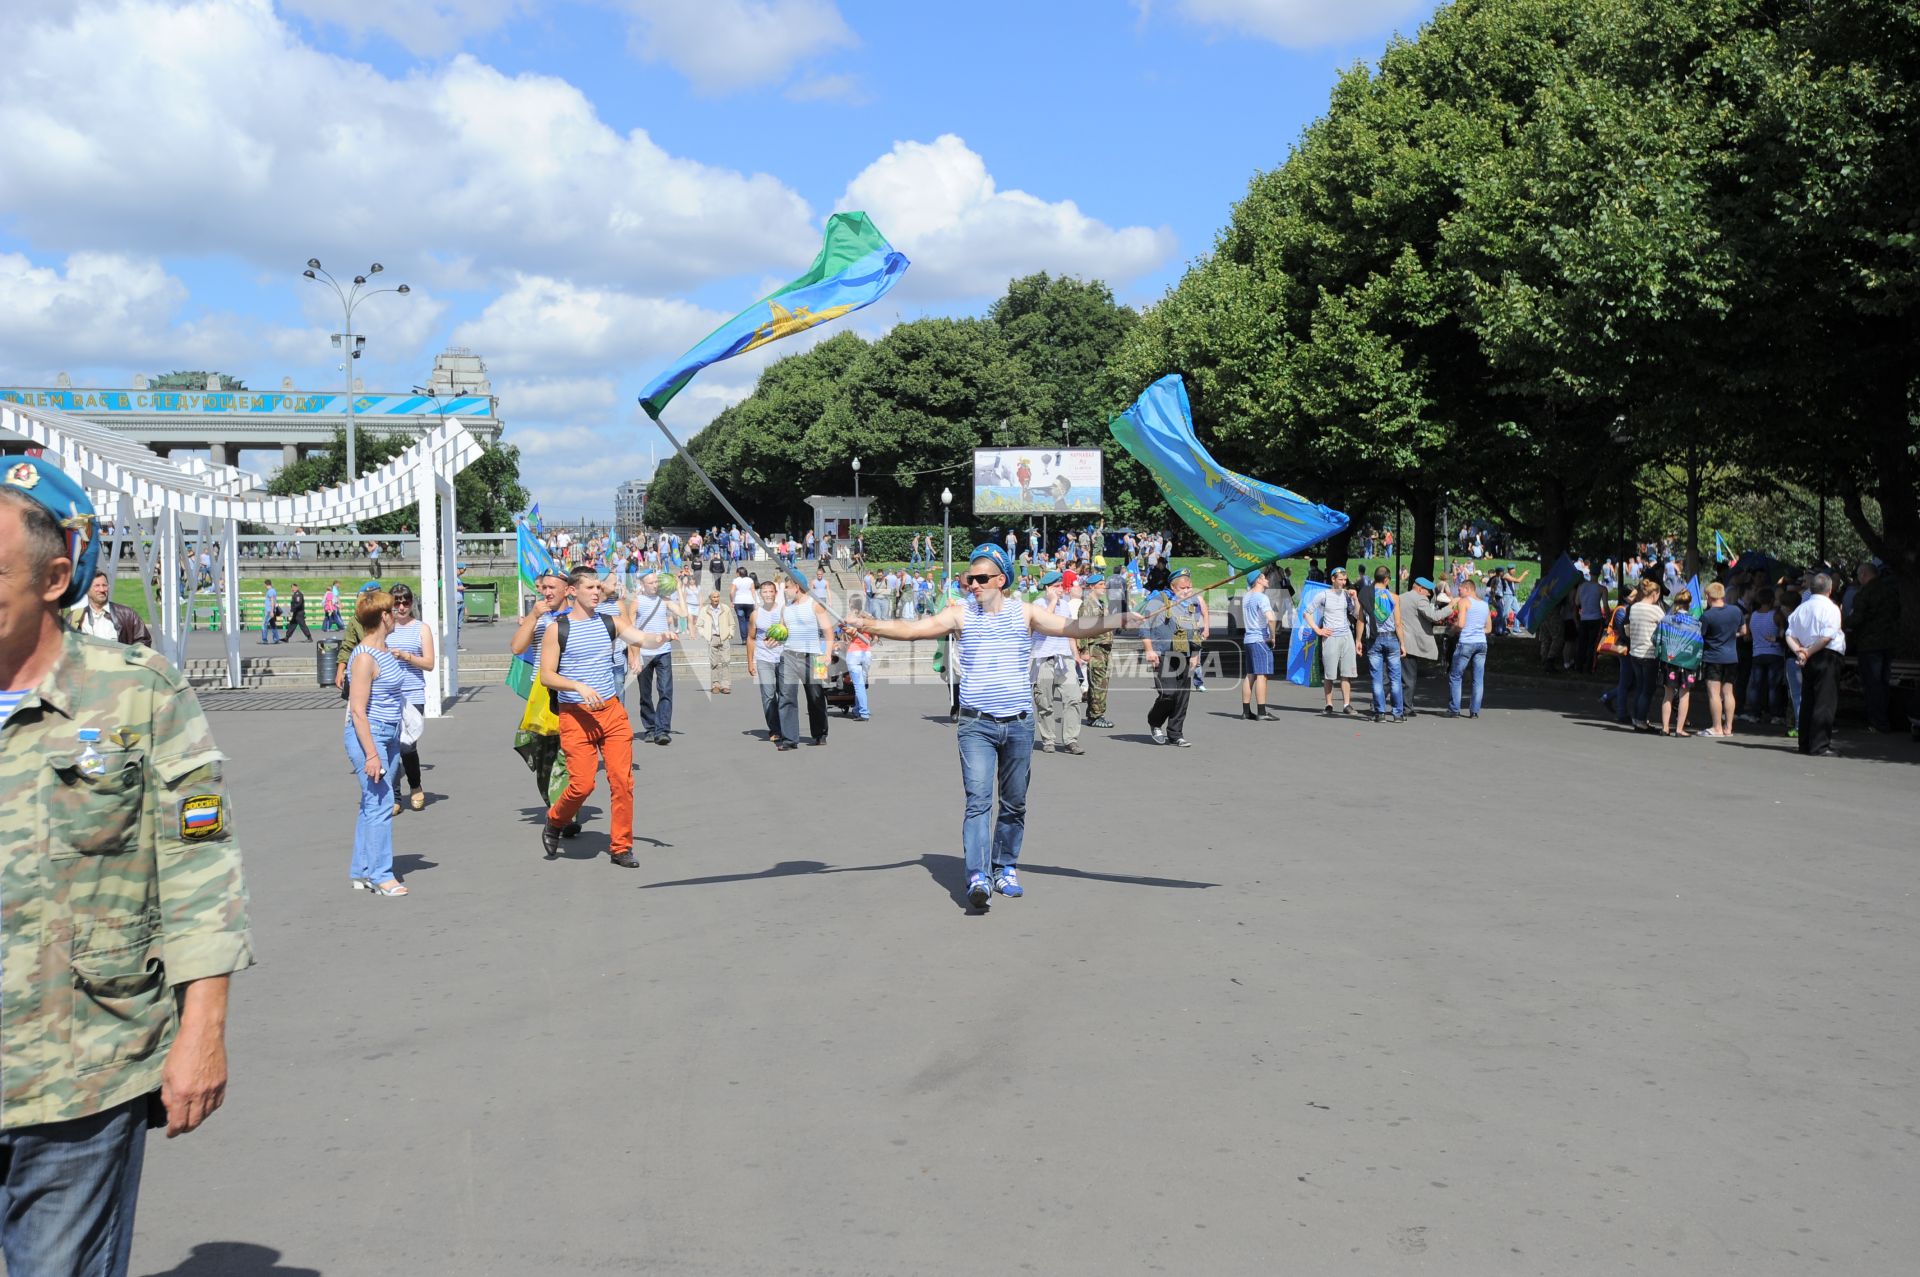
588 658
388 695
994 656
407 638
803 628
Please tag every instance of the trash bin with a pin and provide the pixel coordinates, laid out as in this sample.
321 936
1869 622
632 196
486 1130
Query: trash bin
326 661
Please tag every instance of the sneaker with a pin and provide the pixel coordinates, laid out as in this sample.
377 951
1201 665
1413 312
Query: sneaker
1347 709
625 860
1793 733
1181 742
1070 749
1159 735
979 891
1007 882
1246 712
664 738
1378 717
550 839
1328 711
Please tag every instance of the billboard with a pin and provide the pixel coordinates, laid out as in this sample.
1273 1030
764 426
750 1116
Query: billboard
1036 481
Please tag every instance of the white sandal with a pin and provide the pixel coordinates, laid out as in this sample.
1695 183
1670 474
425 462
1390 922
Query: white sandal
394 888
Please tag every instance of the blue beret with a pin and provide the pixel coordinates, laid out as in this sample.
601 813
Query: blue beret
995 555
1096 579
369 587
52 488
1423 583
1051 578
1177 573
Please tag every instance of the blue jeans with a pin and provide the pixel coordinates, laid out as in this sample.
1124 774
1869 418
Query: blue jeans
69 1192
1767 687
656 677
858 664
1383 659
1623 691
1474 654
1794 673
766 676
1644 680
991 751
373 831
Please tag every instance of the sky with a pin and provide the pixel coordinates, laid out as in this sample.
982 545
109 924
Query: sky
578 192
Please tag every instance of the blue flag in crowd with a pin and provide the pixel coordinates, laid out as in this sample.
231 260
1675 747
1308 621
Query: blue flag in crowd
1554 585
1303 645
532 557
1699 600
1720 553
1248 521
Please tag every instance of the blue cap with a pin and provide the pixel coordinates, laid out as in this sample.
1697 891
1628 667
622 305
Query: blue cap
1253 575
1095 579
1177 573
67 500
369 587
1051 578
1423 583
995 555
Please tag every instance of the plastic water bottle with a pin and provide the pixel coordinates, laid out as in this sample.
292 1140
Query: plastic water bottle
91 762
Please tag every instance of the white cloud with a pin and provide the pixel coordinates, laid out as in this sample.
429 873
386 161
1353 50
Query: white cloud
726 45
1300 24
938 204
829 88
420 26
546 326
551 398
207 127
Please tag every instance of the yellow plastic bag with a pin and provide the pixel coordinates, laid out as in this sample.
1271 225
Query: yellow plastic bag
538 717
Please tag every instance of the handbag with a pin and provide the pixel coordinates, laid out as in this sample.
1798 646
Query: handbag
412 723
1613 642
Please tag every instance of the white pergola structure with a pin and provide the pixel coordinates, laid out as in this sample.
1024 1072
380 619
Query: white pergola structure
152 497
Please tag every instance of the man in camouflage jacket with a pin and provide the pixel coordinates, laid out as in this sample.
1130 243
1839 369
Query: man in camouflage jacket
1097 652
122 906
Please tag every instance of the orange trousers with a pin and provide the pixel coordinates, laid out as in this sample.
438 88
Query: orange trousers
586 737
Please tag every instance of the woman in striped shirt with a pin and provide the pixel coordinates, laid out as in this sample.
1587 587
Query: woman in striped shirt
992 636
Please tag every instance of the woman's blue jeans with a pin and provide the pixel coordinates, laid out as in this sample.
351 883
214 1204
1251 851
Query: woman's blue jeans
859 664
991 752
1767 687
373 831
1643 686
1474 654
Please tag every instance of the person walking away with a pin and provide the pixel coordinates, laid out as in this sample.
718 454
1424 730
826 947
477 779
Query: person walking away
1384 649
576 663
1257 625
1678 647
1721 626
1643 622
1472 622
742 594
716 624
1873 633
1056 683
376 702
125 903
297 614
803 665
99 617
411 642
655 613
1097 650
270 619
763 656
1169 645
1332 616
1591 600
1423 614
991 633
1767 681
1815 636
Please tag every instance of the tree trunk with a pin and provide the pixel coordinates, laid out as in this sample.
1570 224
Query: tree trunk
1425 509
1694 474
1897 540
1557 519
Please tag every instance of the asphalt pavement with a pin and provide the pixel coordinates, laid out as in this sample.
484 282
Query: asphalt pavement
1516 995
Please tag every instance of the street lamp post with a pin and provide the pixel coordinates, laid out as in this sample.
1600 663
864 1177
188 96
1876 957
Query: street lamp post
350 346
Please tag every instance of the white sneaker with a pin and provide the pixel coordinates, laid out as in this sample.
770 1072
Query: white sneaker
1159 735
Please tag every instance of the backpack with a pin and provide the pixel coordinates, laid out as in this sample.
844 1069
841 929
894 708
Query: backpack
1677 641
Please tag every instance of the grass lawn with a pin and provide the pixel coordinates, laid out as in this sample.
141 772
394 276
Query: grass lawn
126 589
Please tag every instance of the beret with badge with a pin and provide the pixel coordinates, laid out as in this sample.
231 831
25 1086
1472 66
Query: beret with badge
71 509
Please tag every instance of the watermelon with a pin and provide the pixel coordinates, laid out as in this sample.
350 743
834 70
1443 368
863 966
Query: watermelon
777 633
669 585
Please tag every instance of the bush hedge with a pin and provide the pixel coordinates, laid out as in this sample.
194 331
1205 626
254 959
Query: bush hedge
888 543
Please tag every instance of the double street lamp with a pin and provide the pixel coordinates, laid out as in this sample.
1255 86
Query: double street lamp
350 295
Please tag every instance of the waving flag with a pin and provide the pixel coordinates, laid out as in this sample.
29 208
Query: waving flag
1554 585
532 556
1303 645
1250 522
1699 603
855 268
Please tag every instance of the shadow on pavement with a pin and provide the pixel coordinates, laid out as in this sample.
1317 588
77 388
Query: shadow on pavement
949 871
412 864
234 1259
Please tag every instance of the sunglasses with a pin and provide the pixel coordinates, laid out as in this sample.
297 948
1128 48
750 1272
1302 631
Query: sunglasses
979 578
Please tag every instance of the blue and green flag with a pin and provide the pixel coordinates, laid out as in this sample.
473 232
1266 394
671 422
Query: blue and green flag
1303 645
1554 585
1251 523
855 268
